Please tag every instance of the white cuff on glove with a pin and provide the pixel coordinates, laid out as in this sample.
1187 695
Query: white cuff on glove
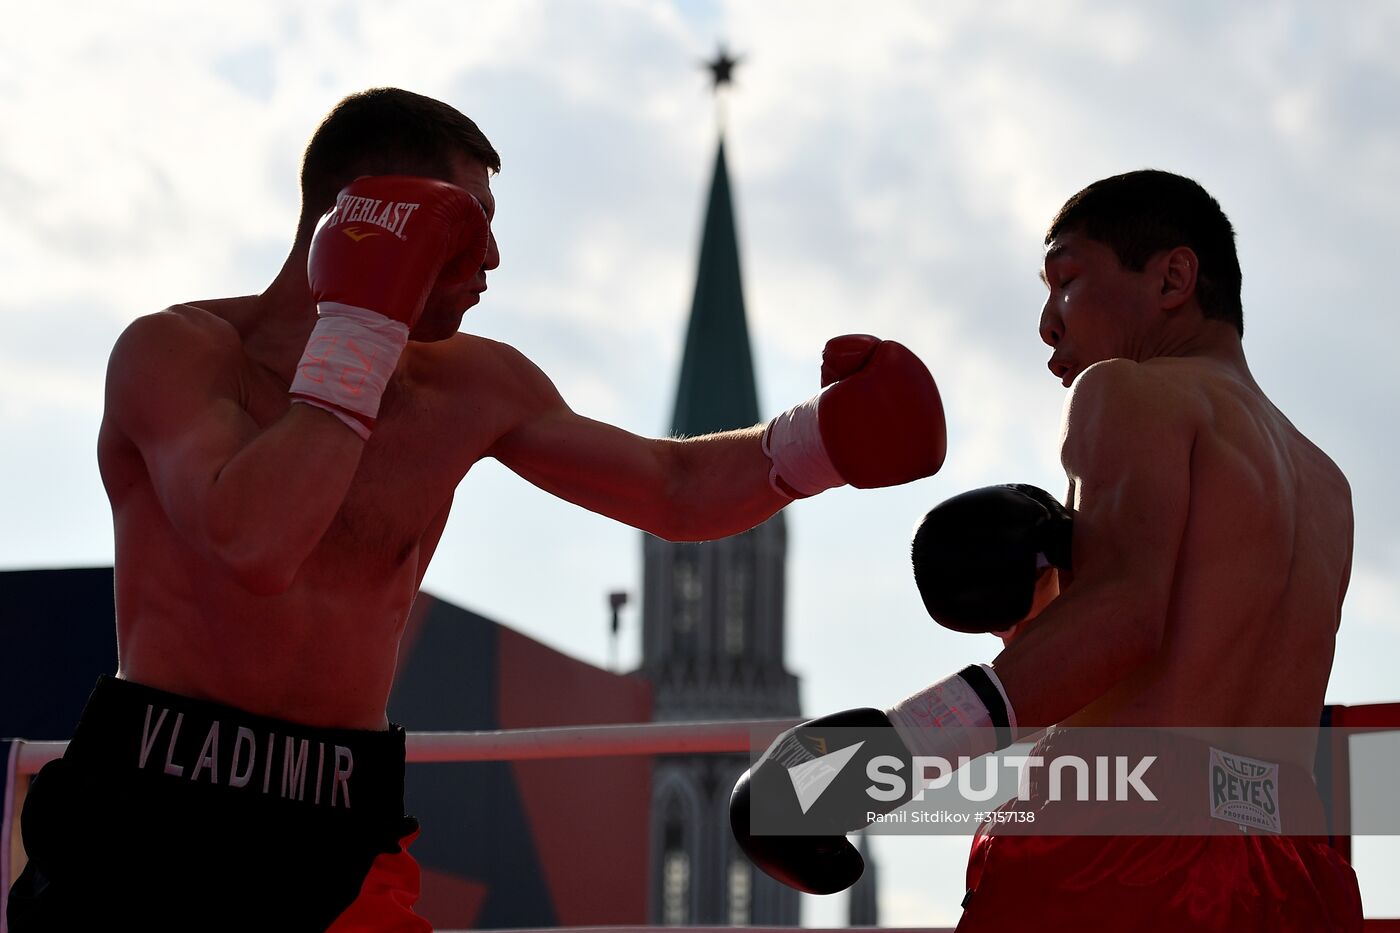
347 363
793 441
967 714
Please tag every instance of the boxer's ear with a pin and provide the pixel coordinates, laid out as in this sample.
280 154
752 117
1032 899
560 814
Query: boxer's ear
1180 268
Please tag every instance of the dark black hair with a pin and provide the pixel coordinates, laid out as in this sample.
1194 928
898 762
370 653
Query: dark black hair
385 131
1141 213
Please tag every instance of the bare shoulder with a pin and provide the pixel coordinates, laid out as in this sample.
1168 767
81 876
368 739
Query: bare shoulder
470 362
172 332
179 354
1135 396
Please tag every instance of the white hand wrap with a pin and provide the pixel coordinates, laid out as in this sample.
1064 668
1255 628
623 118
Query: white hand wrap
954 718
347 363
793 441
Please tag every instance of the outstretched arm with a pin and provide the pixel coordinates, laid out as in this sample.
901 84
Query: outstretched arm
689 489
878 422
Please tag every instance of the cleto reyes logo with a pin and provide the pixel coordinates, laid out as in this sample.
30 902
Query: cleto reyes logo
391 216
1244 791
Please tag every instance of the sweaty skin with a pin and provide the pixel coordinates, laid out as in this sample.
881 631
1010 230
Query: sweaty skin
267 558
1212 541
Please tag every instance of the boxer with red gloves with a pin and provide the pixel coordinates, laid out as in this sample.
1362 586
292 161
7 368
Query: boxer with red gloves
281 467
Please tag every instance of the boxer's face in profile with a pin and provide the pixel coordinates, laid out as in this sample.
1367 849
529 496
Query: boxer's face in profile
1096 309
442 314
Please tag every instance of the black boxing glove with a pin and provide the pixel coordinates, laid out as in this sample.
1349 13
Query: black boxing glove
978 555
822 860
959 717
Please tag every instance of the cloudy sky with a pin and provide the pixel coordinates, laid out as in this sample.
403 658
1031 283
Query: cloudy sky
893 174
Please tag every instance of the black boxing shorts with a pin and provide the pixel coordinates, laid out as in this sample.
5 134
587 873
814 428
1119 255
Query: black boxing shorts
166 813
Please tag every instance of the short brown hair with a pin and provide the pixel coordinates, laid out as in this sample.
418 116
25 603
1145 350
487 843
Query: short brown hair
384 131
1141 213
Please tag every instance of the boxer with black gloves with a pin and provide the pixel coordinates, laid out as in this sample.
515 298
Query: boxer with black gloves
1212 552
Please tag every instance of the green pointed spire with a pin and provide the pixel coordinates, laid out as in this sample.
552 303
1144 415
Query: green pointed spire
717 390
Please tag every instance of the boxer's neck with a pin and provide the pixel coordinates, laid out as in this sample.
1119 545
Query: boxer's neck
1200 339
281 318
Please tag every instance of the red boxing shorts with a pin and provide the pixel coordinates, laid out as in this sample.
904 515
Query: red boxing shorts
167 813
1187 861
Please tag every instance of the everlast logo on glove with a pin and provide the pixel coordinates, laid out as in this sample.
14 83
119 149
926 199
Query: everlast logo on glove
392 215
1244 791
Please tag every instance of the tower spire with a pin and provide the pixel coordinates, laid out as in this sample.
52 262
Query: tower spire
717 391
712 612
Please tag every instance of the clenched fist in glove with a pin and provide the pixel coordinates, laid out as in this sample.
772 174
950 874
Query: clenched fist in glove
375 258
877 422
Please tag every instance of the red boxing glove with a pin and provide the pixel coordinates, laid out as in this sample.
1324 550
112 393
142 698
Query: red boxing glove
374 259
843 356
878 422
389 239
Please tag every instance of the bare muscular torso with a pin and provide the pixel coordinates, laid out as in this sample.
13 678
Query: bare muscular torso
323 652
1261 571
